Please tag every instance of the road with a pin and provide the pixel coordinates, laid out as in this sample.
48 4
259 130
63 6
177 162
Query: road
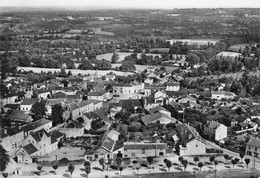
234 154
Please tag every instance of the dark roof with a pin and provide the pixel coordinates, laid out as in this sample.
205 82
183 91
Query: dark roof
30 101
119 144
176 93
114 105
18 115
123 85
39 134
96 93
130 103
75 124
73 96
20 93
12 106
58 95
43 91
35 125
73 106
30 149
149 100
55 134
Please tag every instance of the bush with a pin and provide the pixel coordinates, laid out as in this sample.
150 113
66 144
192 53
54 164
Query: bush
64 161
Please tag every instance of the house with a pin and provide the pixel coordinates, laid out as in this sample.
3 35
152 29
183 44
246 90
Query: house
149 89
215 130
158 117
172 86
104 148
13 98
127 88
159 97
40 143
11 139
8 107
253 147
159 109
19 116
142 149
218 95
190 140
26 104
36 126
98 95
73 129
44 94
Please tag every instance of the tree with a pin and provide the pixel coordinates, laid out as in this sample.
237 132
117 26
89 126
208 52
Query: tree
55 167
216 163
241 156
134 162
86 65
121 169
234 162
4 157
180 159
102 163
184 163
57 114
118 161
87 167
114 58
212 159
150 160
4 174
71 169
38 108
128 66
192 59
226 157
39 167
247 160
169 164
200 165
196 159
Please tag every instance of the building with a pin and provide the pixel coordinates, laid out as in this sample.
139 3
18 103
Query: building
158 117
215 130
173 86
104 148
141 149
19 116
73 129
127 88
11 139
13 98
27 104
98 95
37 144
218 95
189 141
253 147
44 94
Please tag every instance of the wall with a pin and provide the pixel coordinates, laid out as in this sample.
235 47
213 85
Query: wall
195 147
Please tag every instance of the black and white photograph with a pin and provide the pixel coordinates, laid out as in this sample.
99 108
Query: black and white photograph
130 88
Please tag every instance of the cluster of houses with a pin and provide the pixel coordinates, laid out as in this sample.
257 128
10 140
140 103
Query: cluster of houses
27 139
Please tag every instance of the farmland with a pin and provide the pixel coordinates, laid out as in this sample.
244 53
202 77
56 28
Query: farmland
198 42
73 71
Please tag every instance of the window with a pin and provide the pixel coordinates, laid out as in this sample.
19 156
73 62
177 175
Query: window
125 150
255 149
143 151
133 154
96 156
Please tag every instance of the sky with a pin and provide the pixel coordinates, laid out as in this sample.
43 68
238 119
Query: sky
154 4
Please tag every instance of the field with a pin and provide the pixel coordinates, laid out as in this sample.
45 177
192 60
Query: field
160 49
122 55
199 42
236 47
140 68
74 71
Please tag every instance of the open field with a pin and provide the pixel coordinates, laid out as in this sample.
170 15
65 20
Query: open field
74 71
236 47
160 49
199 42
122 55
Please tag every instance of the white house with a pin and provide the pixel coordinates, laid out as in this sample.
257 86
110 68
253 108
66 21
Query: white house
215 130
99 95
218 95
127 88
26 104
173 86
142 149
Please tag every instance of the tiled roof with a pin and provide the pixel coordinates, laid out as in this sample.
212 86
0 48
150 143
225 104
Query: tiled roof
30 149
255 142
12 106
154 117
75 124
73 106
176 93
173 84
145 146
39 134
35 125
96 93
18 115
108 144
31 101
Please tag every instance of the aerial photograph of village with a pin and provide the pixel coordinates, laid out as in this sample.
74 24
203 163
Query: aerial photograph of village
130 88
